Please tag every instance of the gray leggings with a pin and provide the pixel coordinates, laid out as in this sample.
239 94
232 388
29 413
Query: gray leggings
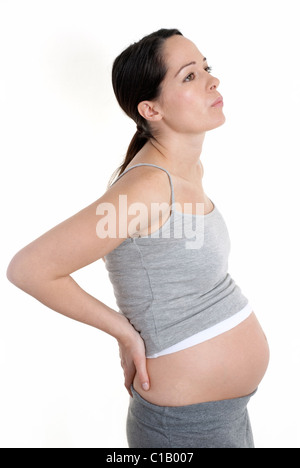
216 424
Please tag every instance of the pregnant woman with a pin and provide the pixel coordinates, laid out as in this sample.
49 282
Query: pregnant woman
191 347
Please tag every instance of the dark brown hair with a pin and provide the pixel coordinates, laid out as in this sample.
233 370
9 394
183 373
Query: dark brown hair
137 74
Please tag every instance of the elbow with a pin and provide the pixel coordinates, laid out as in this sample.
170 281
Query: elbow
13 271
17 271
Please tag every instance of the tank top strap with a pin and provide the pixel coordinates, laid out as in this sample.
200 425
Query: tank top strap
153 165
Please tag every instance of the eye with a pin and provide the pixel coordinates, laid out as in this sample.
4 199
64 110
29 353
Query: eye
190 77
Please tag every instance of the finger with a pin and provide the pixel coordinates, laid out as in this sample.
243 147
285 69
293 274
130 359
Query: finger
129 376
128 386
142 374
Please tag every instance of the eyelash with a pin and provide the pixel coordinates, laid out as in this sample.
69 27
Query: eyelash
207 69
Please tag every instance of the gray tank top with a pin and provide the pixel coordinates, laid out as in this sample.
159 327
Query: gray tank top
174 283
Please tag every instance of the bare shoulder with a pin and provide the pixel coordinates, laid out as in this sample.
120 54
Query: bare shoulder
144 184
146 195
134 190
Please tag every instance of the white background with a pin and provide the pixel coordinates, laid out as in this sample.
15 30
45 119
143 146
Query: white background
63 135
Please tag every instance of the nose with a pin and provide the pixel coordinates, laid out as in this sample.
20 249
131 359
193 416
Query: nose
214 83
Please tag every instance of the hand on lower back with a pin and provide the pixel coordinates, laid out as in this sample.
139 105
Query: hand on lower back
133 361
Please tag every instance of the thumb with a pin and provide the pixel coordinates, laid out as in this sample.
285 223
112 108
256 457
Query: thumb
142 373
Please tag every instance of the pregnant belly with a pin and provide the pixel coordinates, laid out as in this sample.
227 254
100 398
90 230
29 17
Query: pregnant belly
230 365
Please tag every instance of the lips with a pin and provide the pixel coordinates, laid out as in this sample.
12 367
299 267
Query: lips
218 102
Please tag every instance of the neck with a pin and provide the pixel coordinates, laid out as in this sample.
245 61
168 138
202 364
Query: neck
180 153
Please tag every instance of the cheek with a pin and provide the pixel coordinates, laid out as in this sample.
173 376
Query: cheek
187 100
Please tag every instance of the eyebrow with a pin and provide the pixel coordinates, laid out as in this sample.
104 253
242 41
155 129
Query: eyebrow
187 65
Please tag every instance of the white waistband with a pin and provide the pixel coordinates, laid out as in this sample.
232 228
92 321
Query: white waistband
209 333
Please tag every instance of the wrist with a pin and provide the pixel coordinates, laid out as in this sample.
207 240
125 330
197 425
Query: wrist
126 332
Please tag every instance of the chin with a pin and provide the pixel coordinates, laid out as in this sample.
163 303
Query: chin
212 124
219 122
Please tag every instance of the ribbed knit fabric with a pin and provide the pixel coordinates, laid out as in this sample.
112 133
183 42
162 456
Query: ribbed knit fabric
174 283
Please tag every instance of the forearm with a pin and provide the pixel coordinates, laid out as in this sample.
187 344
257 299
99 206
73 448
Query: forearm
65 296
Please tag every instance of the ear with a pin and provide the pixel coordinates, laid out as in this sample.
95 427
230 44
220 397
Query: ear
150 111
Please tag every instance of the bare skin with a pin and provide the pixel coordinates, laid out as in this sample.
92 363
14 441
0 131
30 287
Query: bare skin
230 365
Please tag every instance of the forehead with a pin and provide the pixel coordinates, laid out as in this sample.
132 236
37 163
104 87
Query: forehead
178 51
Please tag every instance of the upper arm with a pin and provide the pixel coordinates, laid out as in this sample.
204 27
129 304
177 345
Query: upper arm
80 239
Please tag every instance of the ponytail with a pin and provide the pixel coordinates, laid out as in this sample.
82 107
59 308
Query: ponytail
137 75
140 138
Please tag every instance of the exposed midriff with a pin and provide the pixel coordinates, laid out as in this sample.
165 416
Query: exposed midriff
228 366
